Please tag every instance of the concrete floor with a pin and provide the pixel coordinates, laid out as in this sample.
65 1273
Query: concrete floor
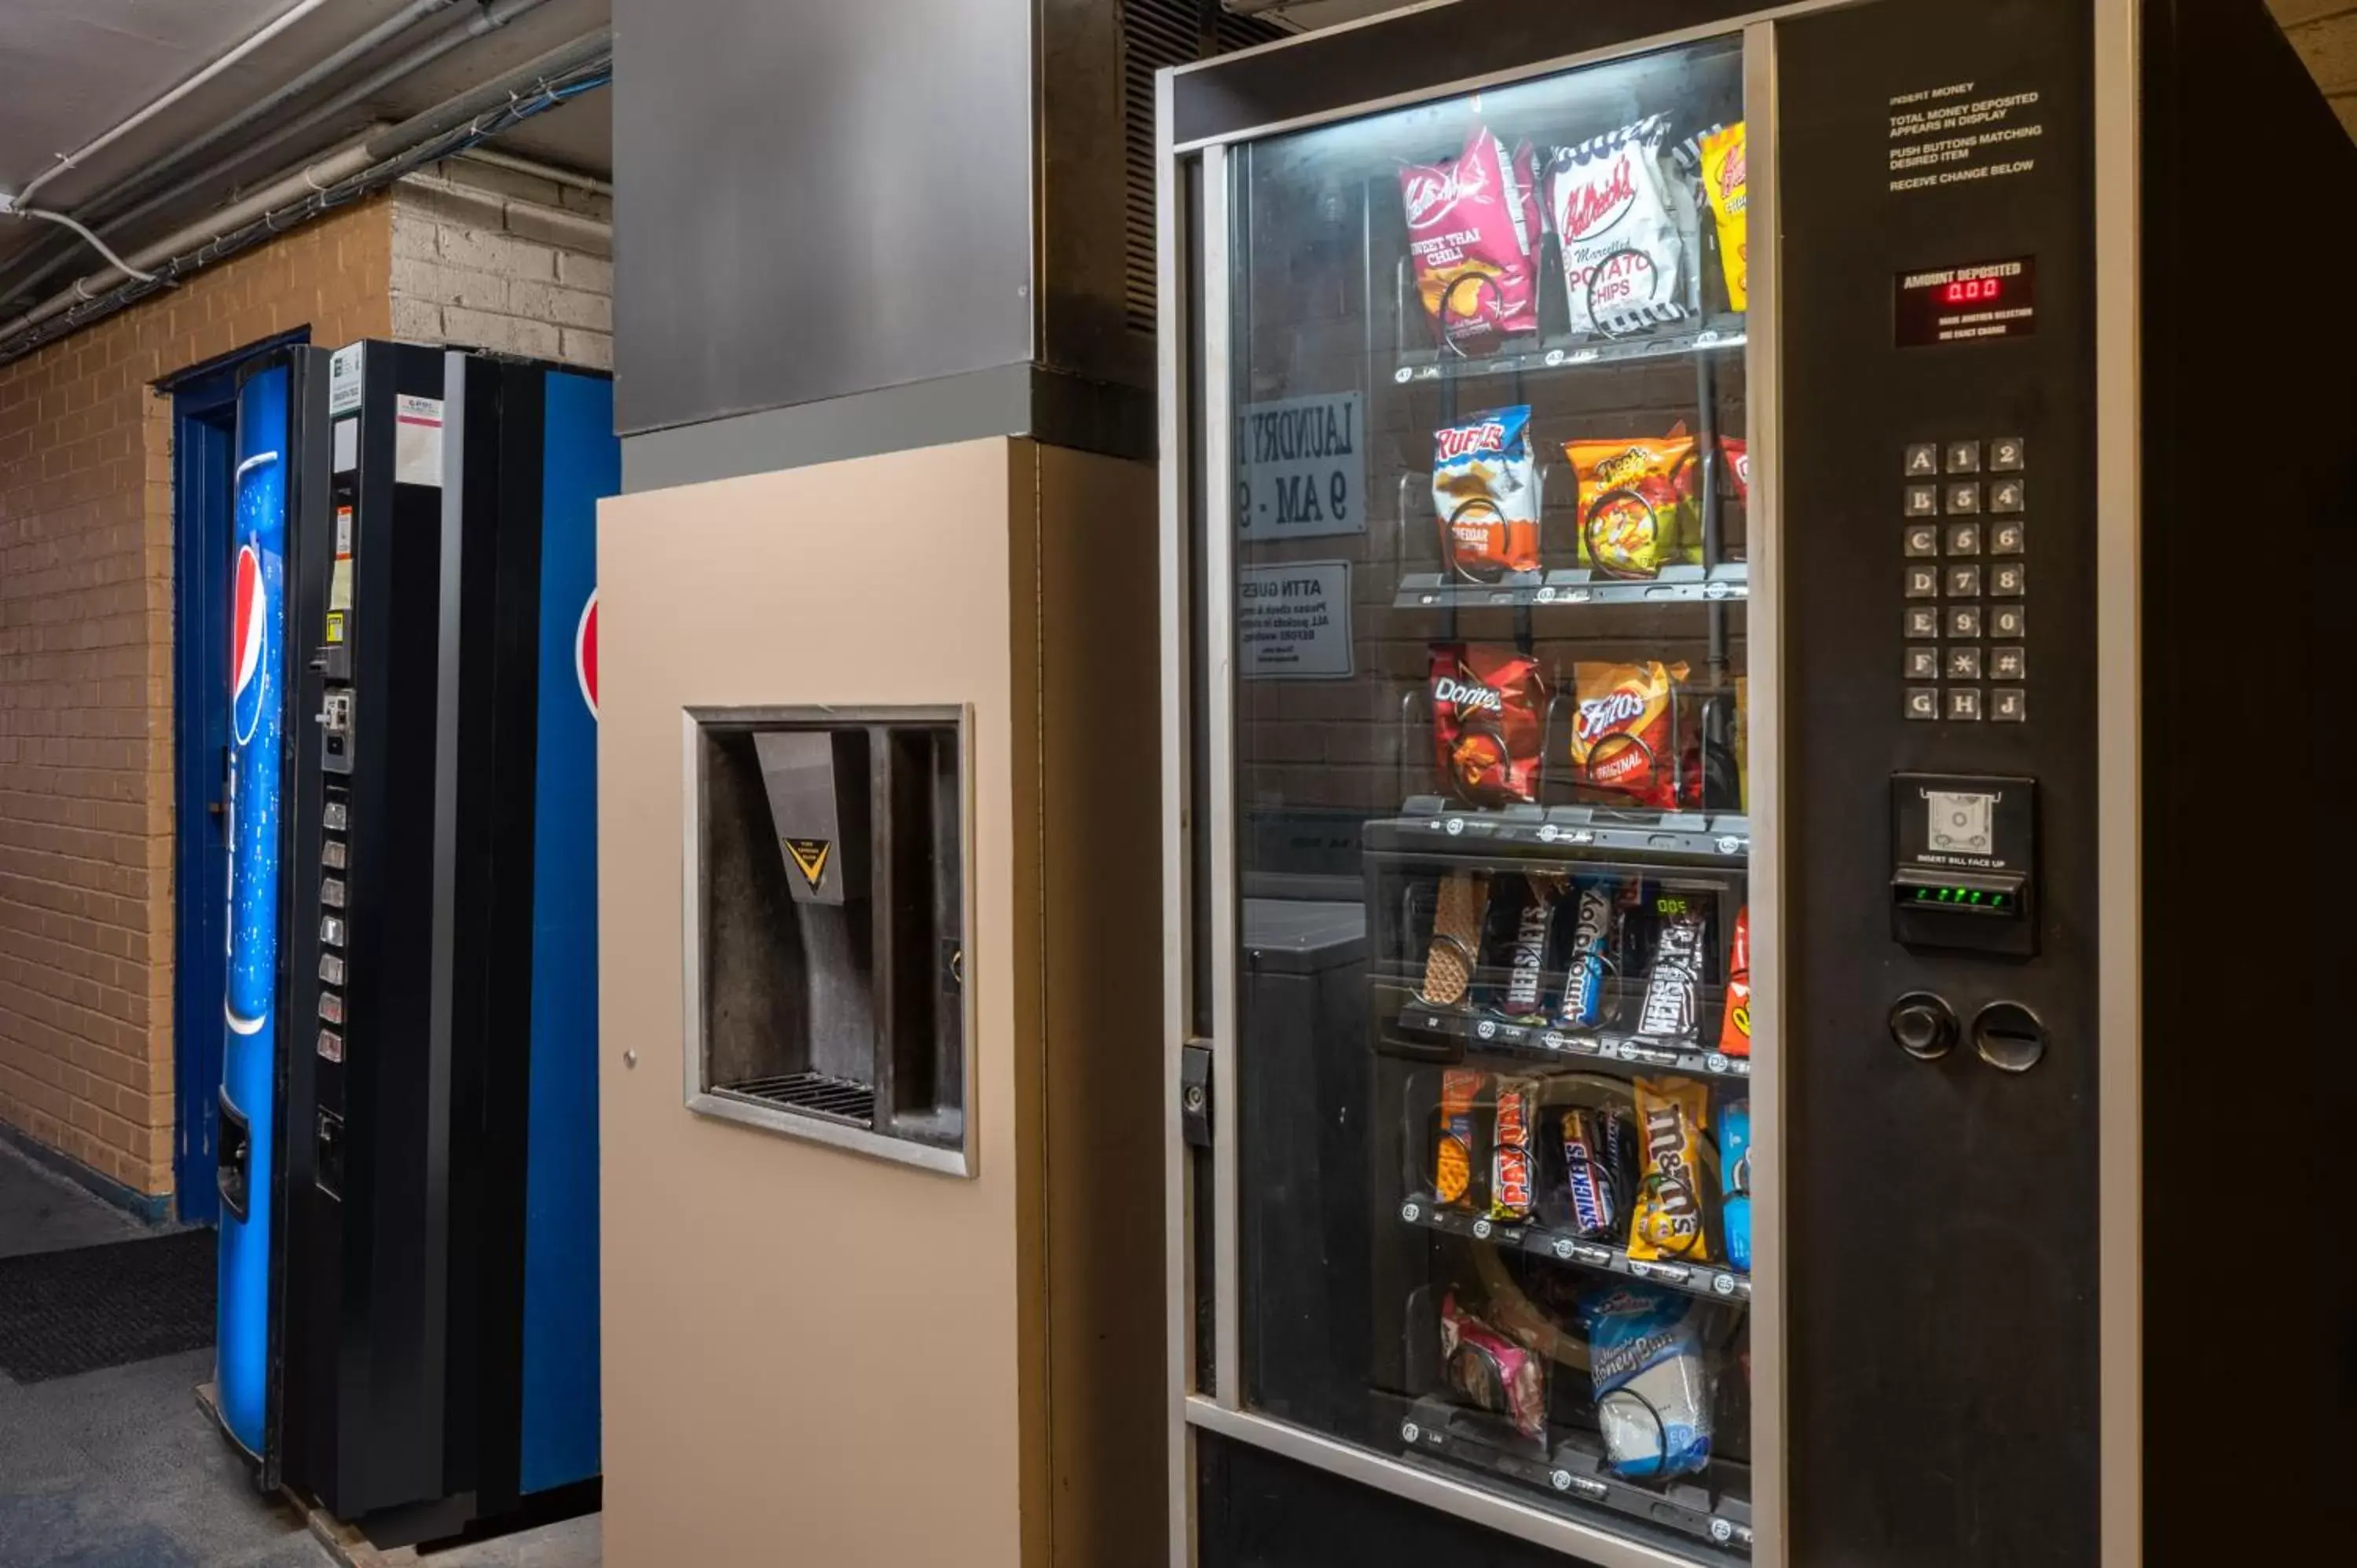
120 1469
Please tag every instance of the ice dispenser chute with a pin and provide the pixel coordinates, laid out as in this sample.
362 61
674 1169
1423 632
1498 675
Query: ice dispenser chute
827 951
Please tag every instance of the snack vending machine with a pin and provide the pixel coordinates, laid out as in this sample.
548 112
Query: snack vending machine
429 1352
1700 538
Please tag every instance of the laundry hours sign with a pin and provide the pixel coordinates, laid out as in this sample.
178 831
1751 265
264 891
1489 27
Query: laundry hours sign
1301 468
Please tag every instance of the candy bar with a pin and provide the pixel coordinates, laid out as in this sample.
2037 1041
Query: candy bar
1672 1006
1592 921
1667 1222
1513 1177
1589 1136
1526 960
1452 1165
1735 1029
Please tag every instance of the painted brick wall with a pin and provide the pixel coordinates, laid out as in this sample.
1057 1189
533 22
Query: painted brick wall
2325 33
86 683
491 258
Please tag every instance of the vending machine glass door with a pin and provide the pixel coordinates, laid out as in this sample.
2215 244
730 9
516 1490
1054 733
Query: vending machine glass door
1481 541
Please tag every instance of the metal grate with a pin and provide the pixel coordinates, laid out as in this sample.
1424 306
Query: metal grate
842 1099
1154 34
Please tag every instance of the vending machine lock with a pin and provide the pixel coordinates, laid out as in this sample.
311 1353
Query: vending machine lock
1963 854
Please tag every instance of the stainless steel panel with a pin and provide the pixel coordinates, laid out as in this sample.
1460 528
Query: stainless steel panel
823 199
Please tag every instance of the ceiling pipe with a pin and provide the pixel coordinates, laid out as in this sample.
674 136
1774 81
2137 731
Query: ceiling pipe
553 173
382 146
261 35
487 18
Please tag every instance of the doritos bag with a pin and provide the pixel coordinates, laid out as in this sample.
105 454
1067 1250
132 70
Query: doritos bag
1487 705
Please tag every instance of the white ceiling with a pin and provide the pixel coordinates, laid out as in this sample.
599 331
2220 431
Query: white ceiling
71 68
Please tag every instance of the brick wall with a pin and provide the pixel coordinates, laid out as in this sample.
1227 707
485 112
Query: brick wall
86 684
491 258
2325 34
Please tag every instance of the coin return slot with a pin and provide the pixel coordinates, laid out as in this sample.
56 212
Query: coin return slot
829 945
2009 1037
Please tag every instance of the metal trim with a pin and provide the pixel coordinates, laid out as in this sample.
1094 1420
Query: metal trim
1649 44
1178 1231
1416 1484
1764 630
963 1161
1220 811
2119 1117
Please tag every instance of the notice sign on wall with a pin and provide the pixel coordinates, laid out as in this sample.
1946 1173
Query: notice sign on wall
1293 621
1301 468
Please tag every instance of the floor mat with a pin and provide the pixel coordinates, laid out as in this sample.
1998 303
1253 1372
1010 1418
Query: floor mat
76 1311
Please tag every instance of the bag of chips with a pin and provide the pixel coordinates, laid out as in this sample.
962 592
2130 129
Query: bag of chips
1485 492
1639 504
1486 705
1672 1116
1621 731
1726 184
1473 238
1624 262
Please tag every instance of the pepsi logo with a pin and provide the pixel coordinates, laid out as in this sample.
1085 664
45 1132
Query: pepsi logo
585 653
249 608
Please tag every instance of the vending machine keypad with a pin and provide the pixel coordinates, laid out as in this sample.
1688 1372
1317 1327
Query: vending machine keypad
1977 601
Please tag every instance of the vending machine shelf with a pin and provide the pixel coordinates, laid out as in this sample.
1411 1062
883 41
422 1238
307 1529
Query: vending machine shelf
1569 1468
1677 585
1432 824
1718 333
1705 1280
1607 1050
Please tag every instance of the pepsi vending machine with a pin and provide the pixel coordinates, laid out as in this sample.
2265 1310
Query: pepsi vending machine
433 1330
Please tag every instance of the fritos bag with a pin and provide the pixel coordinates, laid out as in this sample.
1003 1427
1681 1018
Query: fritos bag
1485 491
1621 732
1473 236
1487 706
1638 503
1725 184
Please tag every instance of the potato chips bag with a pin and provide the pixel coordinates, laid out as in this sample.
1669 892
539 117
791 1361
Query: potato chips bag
1638 503
1485 491
1725 184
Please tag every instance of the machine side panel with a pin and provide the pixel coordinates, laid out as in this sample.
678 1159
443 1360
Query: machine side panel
1941 1279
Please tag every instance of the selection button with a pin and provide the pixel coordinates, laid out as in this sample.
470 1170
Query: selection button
2008 455
1924 702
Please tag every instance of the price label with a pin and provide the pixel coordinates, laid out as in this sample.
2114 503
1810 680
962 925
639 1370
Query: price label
1301 468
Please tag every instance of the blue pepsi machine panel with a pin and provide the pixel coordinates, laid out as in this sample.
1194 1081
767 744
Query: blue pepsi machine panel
257 679
581 463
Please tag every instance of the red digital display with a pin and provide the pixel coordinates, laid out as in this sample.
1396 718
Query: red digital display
1976 303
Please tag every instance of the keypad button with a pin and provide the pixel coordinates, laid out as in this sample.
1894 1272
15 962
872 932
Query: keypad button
1964 581
2008 496
1964 539
331 969
2009 705
2009 581
1963 456
1964 497
1964 704
1922 581
1922 460
331 894
1922 501
1922 622
331 1045
331 1007
1964 664
331 854
2010 623
2008 455
334 816
1923 663
2011 663
1924 702
1923 539
1965 620
2009 538
331 930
